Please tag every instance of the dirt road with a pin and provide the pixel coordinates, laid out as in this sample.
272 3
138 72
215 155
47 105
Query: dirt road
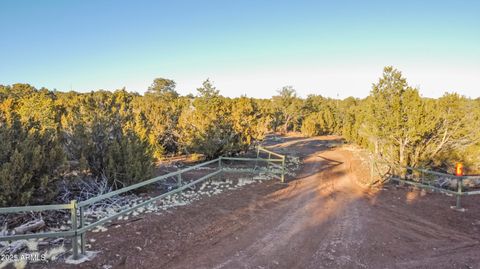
322 219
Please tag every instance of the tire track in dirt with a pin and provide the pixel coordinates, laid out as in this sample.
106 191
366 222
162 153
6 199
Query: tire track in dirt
339 248
310 227
279 235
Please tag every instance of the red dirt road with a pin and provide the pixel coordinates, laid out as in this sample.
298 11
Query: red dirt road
322 219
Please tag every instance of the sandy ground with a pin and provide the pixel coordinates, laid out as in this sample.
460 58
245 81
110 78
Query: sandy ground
321 219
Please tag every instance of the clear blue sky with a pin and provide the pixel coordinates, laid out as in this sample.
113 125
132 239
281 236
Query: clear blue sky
245 47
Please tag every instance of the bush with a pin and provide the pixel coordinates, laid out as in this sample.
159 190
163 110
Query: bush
30 164
99 135
319 123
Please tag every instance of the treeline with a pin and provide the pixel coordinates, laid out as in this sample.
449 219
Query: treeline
47 137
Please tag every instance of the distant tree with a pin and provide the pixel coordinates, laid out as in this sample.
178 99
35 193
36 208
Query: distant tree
156 120
208 90
288 105
206 127
351 120
163 87
319 123
248 121
17 90
313 103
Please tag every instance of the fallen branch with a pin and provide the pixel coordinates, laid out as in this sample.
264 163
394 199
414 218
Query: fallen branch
17 246
30 226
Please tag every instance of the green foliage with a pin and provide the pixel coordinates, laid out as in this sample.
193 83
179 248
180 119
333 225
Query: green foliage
128 160
400 126
17 90
396 119
319 123
455 131
205 126
248 121
39 108
163 87
404 128
102 136
287 109
352 118
30 160
156 119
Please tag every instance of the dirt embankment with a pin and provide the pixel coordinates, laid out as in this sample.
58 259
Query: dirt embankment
321 219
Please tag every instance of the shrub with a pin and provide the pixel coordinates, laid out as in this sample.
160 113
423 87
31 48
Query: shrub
30 163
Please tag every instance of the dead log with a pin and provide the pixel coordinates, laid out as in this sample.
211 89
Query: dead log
30 226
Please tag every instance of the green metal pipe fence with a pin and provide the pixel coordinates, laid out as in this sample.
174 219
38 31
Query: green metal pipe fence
79 228
460 187
281 158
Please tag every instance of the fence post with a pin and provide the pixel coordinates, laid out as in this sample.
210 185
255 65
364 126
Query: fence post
220 163
179 180
82 236
268 162
459 192
283 169
73 211
258 155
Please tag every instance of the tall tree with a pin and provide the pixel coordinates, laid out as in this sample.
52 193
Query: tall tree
396 117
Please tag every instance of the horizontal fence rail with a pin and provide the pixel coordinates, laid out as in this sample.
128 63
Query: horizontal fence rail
144 203
79 228
423 185
144 183
36 208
